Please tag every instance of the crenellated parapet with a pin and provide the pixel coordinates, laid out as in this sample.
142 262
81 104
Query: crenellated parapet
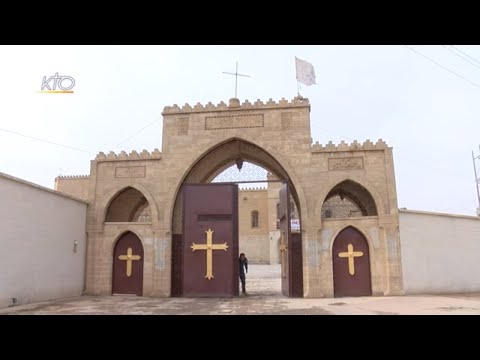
133 155
354 146
72 177
253 188
234 104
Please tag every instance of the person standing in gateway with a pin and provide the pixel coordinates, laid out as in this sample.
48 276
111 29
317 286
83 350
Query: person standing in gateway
243 262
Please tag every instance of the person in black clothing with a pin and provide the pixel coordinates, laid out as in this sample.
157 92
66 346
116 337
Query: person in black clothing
243 262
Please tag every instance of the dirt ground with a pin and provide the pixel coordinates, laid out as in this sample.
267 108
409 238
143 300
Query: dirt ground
264 297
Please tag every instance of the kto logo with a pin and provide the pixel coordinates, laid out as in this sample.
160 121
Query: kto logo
65 84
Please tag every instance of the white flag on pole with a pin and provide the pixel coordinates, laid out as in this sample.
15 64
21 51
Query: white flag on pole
305 72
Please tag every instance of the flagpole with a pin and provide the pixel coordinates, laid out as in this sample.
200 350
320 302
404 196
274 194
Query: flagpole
298 88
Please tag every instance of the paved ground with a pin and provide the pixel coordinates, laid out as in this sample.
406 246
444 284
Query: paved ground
263 285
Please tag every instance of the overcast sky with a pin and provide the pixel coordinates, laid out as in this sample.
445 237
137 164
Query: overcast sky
429 116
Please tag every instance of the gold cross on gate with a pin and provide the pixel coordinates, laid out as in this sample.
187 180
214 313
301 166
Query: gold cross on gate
283 249
351 256
129 258
209 246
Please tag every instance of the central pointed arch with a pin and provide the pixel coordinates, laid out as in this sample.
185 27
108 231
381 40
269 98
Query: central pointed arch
224 154
211 163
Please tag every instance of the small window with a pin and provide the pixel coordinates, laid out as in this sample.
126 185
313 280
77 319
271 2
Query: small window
278 216
254 219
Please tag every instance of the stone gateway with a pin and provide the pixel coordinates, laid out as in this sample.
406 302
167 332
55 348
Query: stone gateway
150 233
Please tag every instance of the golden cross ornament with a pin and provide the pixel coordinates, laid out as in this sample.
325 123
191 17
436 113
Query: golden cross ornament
209 247
129 258
283 249
351 255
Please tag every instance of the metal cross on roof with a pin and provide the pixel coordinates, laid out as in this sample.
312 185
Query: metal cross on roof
236 74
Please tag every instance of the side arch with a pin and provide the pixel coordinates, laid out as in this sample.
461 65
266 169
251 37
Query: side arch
380 205
104 206
348 198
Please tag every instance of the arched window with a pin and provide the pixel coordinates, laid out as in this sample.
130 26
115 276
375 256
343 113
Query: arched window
254 219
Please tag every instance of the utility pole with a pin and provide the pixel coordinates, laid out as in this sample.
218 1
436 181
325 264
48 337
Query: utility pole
477 177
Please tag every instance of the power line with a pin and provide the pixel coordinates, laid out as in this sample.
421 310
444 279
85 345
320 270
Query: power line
46 141
138 132
461 57
443 67
71 147
464 53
